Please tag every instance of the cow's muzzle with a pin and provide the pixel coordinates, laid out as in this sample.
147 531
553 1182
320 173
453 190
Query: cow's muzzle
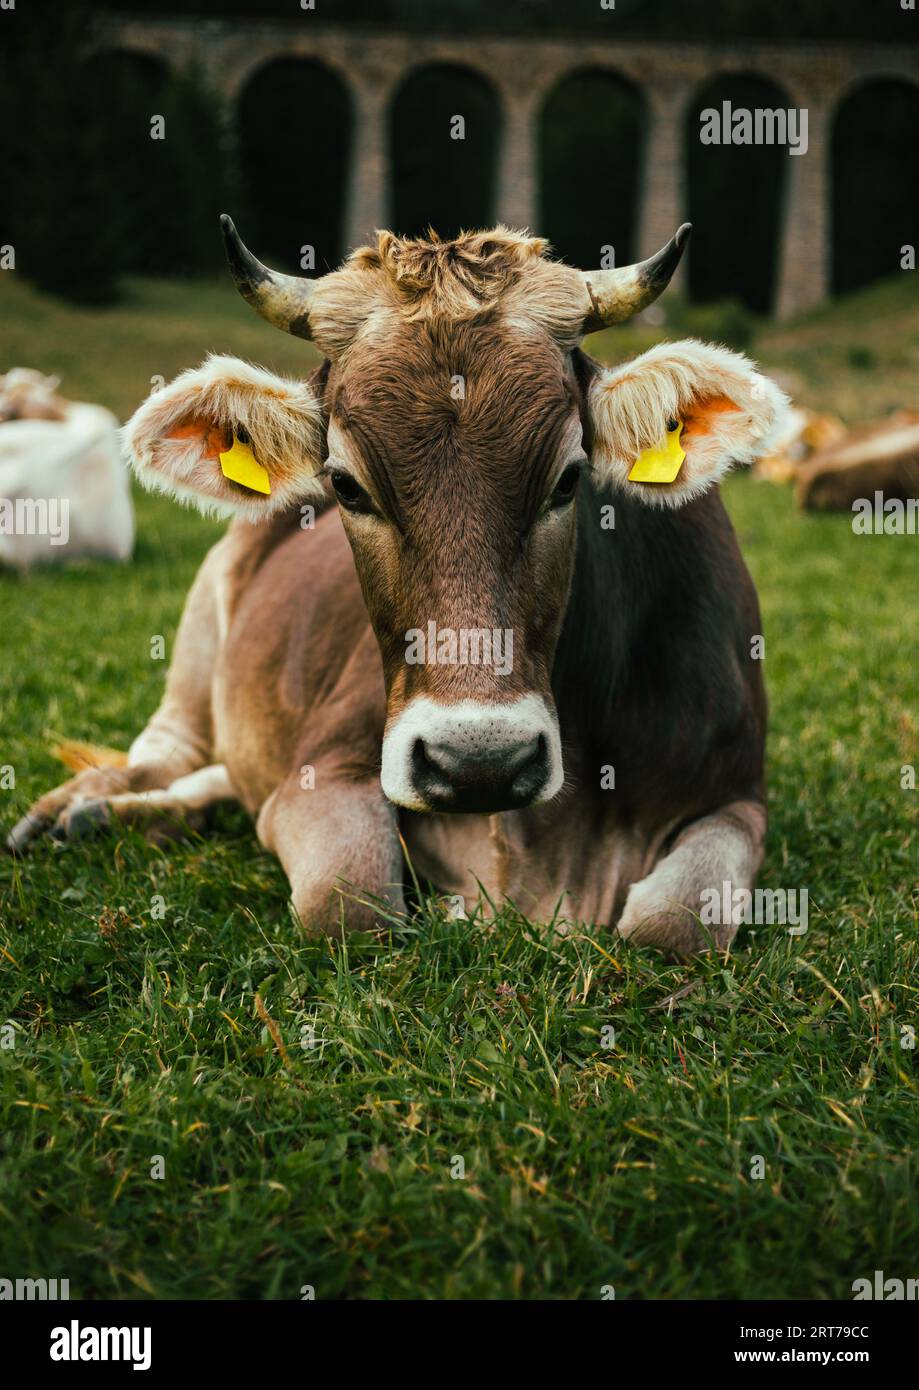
472 756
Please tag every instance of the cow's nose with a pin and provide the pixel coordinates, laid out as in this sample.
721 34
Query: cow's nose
504 775
472 755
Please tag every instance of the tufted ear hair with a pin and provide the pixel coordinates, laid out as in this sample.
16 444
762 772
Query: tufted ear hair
728 410
175 439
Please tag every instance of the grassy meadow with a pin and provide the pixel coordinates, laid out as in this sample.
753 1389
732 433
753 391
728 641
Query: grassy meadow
197 1102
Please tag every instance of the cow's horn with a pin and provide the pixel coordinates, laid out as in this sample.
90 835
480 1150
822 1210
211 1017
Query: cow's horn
616 295
283 300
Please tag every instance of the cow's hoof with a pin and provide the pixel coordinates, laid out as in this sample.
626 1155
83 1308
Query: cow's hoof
84 820
674 933
667 925
25 832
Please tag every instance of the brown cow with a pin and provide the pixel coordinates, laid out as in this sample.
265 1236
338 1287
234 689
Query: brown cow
882 458
537 670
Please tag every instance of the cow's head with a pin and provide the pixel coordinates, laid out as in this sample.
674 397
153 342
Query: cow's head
454 421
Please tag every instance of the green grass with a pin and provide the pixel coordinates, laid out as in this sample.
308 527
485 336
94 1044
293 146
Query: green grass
138 1034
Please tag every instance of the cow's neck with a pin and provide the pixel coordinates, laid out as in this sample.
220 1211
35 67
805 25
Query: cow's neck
646 675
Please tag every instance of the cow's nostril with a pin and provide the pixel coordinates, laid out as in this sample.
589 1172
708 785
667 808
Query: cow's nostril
464 775
427 766
534 754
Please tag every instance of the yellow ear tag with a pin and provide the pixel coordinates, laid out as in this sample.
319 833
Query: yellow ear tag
240 465
662 463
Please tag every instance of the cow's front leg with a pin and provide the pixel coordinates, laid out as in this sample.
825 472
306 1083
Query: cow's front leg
665 908
338 842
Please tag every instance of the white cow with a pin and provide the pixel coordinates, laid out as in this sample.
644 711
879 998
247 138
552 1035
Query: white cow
64 491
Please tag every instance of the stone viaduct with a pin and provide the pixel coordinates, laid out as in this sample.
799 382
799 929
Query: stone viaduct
523 71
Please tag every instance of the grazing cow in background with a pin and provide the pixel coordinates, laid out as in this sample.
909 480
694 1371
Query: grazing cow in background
474 476
803 434
29 395
881 457
65 493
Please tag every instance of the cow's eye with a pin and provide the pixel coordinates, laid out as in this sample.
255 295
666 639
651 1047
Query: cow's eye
349 493
566 486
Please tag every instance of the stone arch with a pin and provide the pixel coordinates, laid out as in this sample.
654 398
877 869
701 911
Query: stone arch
592 129
736 197
438 179
147 68
875 194
238 68
294 132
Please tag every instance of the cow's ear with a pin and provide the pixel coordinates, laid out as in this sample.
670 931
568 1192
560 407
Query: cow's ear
229 437
713 404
